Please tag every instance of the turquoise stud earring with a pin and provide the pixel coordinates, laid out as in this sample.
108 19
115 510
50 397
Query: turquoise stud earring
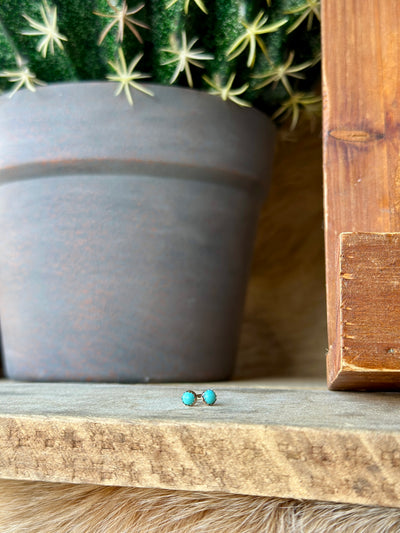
209 397
189 397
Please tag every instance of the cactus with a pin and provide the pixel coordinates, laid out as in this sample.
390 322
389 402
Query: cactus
253 52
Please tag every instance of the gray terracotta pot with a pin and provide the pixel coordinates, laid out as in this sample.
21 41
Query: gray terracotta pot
126 233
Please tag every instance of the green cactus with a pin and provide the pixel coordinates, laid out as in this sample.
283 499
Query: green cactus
253 52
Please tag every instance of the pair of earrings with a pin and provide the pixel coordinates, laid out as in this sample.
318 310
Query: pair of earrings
189 397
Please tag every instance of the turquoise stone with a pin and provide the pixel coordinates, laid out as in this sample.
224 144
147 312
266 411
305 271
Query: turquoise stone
189 398
209 397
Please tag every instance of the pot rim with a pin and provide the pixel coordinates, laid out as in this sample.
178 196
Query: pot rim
81 126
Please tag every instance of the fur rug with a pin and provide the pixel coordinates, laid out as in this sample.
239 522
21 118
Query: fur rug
35 507
284 334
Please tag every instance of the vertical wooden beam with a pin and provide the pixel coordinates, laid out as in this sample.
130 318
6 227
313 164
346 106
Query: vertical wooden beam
361 86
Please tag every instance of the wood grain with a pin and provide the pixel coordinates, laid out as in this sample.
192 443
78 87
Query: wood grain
361 58
260 438
369 315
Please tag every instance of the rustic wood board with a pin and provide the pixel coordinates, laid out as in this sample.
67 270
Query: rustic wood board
369 316
260 438
361 58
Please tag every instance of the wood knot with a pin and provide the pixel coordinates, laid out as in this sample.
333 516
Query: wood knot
355 136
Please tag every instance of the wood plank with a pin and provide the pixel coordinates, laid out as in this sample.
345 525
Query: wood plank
369 316
361 58
286 441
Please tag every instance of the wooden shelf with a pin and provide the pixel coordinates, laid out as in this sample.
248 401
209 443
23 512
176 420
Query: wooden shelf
274 438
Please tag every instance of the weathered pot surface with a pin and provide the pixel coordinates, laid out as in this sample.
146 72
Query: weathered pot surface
126 233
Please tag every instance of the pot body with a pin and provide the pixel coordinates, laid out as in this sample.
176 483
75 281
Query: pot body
126 233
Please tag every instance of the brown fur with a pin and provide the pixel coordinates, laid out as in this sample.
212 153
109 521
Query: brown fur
36 507
284 334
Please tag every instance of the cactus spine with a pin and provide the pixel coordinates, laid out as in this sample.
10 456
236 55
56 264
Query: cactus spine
263 52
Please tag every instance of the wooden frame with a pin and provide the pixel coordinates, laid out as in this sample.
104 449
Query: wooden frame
361 58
